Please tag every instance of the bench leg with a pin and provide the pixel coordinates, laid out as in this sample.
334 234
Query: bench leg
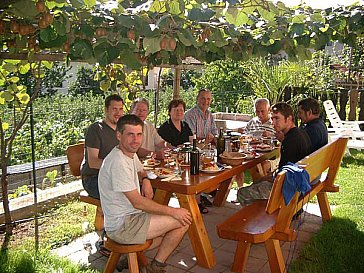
133 262
241 256
112 262
275 256
324 206
99 219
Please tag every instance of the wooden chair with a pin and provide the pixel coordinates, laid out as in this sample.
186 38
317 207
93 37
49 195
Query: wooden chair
269 221
75 154
134 254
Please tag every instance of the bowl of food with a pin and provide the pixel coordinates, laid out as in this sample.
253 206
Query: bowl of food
232 158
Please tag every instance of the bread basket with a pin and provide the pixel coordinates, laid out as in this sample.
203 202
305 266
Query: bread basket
232 158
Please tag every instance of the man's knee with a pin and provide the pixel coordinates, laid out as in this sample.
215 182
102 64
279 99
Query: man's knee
185 228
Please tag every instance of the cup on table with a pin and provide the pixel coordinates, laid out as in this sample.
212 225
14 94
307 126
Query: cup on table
207 155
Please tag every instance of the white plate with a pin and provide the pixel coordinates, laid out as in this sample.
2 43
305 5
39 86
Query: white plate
156 163
213 171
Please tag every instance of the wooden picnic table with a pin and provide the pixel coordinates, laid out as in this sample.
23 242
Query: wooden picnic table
190 185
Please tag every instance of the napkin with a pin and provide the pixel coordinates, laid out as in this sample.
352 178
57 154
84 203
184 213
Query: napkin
172 178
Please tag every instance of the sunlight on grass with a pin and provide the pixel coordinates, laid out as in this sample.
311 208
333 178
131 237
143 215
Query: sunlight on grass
338 247
21 261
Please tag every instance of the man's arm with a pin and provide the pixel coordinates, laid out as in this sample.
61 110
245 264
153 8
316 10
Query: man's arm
147 189
93 159
191 121
143 152
147 205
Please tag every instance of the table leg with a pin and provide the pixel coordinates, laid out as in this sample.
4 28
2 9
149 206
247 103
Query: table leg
197 232
222 193
162 197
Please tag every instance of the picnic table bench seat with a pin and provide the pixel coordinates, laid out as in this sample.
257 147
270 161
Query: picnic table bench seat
269 221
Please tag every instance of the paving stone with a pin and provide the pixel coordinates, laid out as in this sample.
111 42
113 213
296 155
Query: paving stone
183 259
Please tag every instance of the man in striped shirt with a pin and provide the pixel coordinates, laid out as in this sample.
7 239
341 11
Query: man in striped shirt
200 119
261 125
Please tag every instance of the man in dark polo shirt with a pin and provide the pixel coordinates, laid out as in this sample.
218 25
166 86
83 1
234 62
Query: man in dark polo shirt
309 113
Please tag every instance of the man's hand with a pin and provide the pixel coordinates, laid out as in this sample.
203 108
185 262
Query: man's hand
147 189
280 136
183 216
210 137
267 134
161 154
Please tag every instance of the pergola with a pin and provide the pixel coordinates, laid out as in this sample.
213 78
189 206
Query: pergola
141 34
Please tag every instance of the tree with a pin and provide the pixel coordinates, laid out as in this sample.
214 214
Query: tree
138 33
226 81
54 78
16 97
85 82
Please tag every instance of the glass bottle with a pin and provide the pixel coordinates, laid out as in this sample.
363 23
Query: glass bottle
220 143
194 157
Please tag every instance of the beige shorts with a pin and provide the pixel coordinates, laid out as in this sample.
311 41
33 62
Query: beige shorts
133 230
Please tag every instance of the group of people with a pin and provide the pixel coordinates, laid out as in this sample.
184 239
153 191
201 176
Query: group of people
113 173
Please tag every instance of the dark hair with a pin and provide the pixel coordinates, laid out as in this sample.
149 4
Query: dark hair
112 97
310 104
203 90
284 108
139 100
128 120
174 103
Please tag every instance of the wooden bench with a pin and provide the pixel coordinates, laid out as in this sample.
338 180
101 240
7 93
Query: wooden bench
75 155
268 221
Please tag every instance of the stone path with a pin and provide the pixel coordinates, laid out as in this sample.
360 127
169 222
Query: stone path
182 260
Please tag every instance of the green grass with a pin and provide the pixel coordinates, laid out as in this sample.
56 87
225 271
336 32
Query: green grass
57 227
338 247
22 261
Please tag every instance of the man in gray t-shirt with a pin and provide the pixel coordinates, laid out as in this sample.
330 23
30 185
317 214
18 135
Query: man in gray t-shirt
131 216
99 141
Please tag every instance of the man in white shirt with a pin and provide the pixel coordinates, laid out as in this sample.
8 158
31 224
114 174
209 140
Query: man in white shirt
261 125
152 141
131 217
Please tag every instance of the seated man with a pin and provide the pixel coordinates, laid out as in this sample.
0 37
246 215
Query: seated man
99 141
152 141
131 217
261 125
313 125
295 146
200 119
309 113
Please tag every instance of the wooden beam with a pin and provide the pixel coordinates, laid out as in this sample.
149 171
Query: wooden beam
176 83
61 57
